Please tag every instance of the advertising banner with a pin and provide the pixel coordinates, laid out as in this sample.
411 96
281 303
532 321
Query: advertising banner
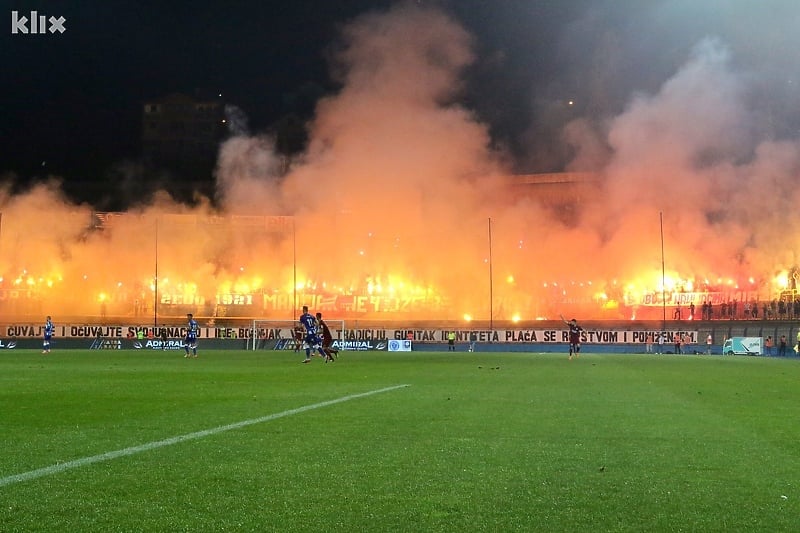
399 346
351 339
742 346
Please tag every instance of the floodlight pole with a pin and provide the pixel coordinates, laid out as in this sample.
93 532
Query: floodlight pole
663 276
155 286
294 269
491 295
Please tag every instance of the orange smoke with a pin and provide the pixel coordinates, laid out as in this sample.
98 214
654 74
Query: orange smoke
387 213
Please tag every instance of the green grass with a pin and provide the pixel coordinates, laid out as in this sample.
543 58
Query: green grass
476 442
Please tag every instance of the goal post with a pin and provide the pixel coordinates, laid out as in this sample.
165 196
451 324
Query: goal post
280 334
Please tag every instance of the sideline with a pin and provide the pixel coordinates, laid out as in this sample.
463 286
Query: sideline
61 467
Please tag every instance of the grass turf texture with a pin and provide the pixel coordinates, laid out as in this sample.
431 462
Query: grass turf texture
476 442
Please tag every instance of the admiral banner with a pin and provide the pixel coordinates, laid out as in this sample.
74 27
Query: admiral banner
355 339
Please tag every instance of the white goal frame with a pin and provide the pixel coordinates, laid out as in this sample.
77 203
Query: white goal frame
286 330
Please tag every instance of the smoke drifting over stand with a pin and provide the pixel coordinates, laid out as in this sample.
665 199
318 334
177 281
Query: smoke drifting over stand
398 180
391 201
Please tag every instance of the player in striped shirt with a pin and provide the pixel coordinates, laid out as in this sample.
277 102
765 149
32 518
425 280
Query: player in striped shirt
313 341
192 329
49 329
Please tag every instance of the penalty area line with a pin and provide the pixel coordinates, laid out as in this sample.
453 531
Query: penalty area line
124 452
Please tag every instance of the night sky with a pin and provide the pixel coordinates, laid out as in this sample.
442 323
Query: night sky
71 102
74 99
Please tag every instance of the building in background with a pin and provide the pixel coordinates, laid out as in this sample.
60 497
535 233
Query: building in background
182 133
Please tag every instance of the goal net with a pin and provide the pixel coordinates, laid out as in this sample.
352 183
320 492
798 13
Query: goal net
286 334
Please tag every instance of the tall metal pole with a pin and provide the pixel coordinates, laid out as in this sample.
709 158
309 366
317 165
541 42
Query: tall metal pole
491 295
663 275
155 285
294 269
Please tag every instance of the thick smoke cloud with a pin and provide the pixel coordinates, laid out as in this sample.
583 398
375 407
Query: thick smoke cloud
615 49
697 151
396 184
400 179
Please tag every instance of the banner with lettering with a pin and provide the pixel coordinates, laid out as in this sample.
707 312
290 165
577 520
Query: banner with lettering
376 338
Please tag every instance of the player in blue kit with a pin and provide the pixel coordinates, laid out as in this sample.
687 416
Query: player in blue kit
313 341
192 329
49 329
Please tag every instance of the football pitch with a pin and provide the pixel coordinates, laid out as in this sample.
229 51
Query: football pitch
256 441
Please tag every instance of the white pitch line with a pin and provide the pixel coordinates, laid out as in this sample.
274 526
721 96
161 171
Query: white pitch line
61 467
